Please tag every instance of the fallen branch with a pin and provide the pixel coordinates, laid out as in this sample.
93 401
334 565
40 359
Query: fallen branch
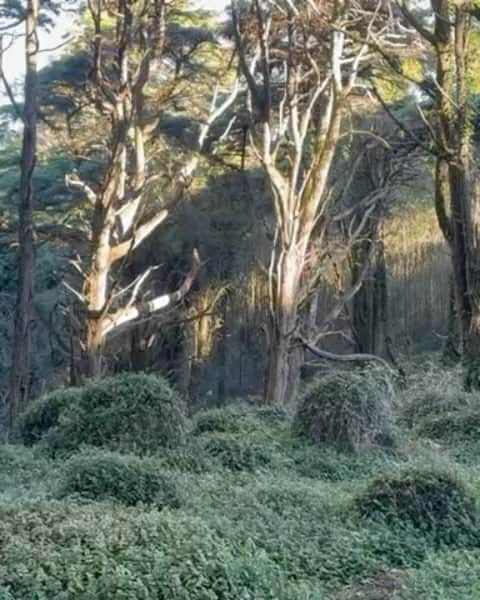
355 357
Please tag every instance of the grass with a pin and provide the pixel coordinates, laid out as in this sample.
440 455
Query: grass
262 514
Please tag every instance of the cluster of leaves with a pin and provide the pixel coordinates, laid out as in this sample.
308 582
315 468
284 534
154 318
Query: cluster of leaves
349 410
127 412
430 500
87 552
100 475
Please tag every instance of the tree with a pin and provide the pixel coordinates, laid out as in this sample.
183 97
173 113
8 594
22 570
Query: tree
456 178
130 46
20 372
302 63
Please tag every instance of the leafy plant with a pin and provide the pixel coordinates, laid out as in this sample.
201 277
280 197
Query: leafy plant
349 410
431 500
43 414
130 412
100 475
238 454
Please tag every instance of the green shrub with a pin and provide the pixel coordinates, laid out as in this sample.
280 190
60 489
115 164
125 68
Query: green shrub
456 425
451 575
432 500
127 412
349 410
128 479
238 454
238 418
84 552
331 465
222 420
190 458
21 466
429 404
43 414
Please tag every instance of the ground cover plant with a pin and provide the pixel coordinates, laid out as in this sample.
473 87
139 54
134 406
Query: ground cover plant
246 507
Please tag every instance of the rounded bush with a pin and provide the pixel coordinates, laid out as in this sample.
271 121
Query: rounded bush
133 412
425 405
128 479
428 499
43 414
219 420
348 410
237 454
457 424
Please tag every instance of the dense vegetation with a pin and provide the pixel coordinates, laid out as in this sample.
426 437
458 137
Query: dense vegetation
248 507
240 300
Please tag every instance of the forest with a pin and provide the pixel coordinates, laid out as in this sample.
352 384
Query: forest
239 299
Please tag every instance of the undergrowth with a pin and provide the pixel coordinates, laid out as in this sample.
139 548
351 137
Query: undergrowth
245 508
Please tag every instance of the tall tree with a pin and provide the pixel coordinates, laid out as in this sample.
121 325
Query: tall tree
301 62
19 374
130 46
447 33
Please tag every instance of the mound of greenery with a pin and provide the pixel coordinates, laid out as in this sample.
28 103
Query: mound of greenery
349 410
223 420
43 414
457 424
22 467
236 419
425 405
100 475
238 453
431 500
444 576
133 412
331 465
80 552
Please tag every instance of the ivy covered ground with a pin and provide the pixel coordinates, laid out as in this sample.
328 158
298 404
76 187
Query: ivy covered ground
238 503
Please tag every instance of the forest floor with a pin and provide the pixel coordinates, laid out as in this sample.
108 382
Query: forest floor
260 514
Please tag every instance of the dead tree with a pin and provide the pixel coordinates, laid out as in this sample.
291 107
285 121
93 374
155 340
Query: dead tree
125 58
302 63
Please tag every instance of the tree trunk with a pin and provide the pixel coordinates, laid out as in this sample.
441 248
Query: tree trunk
370 311
451 350
466 262
284 321
96 295
20 367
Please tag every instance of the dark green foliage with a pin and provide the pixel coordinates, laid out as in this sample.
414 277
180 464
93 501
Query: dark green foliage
219 420
263 515
128 479
236 419
43 414
331 465
428 404
237 453
452 575
190 458
349 410
431 500
126 412
457 424
21 466
86 553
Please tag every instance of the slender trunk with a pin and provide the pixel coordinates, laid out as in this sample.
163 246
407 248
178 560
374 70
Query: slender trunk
369 310
279 373
96 294
20 368
466 265
451 353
